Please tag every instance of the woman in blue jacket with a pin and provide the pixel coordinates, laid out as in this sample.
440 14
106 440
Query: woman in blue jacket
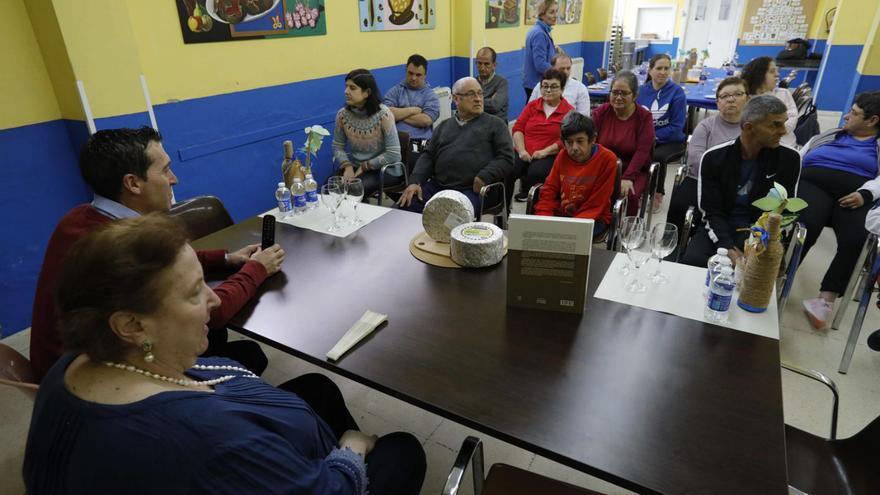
668 105
539 45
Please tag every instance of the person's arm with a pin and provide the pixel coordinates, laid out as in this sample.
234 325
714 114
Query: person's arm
872 220
582 101
549 202
641 159
784 95
698 145
540 60
673 132
501 164
392 101
428 113
391 144
236 291
340 156
419 120
596 205
536 92
709 196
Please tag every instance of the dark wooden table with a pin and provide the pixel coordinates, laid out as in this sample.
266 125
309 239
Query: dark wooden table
649 401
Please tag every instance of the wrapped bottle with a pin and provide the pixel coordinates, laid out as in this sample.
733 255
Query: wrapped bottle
762 269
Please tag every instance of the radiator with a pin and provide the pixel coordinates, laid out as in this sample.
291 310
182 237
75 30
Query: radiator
577 68
444 94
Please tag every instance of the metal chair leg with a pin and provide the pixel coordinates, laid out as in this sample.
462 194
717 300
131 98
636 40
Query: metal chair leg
471 452
872 266
870 243
796 247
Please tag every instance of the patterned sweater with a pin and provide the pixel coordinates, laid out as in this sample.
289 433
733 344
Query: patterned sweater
370 139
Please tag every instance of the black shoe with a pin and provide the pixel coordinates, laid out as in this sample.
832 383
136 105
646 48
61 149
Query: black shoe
521 197
874 340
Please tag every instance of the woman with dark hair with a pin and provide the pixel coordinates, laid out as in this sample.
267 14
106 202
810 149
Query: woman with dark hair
627 130
762 77
133 409
581 181
365 127
536 134
840 182
539 47
668 105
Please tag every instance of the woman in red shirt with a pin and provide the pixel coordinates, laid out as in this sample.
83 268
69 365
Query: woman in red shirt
627 129
536 134
582 179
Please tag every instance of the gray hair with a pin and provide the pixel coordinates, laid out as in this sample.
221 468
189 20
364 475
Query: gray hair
559 56
458 84
542 6
759 107
630 80
575 123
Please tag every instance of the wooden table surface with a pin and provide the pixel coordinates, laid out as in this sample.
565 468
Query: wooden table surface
649 401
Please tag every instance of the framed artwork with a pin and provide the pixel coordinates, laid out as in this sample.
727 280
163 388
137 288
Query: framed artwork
396 15
503 13
205 21
569 12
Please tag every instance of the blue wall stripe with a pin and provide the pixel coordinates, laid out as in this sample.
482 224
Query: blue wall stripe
839 66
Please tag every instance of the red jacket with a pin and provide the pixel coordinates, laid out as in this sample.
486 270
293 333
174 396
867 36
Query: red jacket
539 130
46 345
632 140
581 190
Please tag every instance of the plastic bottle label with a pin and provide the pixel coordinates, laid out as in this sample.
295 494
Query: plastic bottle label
720 302
311 196
299 201
284 205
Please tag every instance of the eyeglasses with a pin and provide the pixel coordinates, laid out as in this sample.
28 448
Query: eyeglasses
621 94
550 87
734 96
470 94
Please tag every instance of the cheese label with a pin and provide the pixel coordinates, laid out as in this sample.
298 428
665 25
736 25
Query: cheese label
477 233
453 220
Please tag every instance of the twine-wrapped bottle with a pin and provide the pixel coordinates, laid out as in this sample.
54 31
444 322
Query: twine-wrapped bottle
762 268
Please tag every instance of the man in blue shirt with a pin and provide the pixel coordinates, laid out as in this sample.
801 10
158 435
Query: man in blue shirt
414 105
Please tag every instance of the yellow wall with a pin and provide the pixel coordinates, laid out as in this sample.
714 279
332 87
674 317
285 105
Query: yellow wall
817 26
869 63
27 96
508 39
852 22
596 19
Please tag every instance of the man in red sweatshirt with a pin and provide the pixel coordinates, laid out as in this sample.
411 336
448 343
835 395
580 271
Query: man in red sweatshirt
581 181
130 174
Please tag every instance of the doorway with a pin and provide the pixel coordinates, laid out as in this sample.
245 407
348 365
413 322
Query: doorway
713 25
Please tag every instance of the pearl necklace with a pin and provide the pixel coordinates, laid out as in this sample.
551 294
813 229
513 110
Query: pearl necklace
184 382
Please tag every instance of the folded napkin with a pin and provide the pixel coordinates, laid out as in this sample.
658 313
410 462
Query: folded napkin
361 328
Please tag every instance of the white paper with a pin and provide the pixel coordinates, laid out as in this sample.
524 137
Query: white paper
683 296
319 219
361 328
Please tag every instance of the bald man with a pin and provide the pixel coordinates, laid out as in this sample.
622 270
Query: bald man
494 86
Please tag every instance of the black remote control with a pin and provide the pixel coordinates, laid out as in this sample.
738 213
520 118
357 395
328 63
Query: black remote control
268 231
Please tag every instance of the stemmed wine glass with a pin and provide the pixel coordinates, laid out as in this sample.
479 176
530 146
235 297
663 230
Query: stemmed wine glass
628 225
354 194
339 181
664 238
331 198
638 251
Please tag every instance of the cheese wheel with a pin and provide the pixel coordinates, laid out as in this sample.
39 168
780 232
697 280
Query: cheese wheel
477 244
444 211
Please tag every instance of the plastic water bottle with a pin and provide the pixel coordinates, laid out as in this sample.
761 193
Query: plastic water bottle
720 295
298 191
311 192
282 194
704 76
714 261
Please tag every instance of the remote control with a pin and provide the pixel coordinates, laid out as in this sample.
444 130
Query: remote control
268 231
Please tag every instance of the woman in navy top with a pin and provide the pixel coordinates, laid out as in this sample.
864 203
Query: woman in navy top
840 182
668 105
539 48
133 410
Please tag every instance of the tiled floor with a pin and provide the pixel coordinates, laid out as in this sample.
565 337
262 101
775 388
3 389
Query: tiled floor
807 404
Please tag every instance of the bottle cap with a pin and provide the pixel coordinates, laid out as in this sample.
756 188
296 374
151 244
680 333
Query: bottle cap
722 251
309 176
297 179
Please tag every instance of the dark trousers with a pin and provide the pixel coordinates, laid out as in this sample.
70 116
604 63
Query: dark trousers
370 180
247 352
663 153
395 466
430 188
528 93
701 247
683 197
821 188
530 173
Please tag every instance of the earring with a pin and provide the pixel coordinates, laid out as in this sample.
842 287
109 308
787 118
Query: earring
147 347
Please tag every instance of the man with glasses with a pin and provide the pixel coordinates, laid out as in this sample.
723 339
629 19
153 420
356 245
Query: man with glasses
731 96
467 152
736 173
415 105
575 92
494 86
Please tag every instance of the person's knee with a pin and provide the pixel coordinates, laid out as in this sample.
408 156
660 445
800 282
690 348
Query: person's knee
407 449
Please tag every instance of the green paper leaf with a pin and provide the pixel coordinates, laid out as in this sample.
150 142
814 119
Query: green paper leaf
781 190
796 205
767 203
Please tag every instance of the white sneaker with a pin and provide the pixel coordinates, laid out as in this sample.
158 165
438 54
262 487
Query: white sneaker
818 311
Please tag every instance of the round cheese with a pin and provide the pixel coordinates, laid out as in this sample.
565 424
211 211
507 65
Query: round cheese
477 244
444 211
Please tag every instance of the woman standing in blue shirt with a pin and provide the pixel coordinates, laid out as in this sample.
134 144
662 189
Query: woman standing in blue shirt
668 105
839 182
539 47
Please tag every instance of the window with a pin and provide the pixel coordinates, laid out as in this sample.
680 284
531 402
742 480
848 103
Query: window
655 23
700 14
724 12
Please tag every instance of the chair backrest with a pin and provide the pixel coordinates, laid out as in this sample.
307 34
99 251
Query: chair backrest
603 74
534 196
201 216
591 79
15 370
405 150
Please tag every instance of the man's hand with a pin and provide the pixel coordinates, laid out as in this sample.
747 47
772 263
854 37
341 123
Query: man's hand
408 193
358 442
626 188
525 156
852 200
735 255
271 258
348 171
240 257
478 184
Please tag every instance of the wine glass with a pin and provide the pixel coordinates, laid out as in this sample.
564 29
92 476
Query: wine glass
664 238
354 194
331 198
339 181
638 250
627 226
